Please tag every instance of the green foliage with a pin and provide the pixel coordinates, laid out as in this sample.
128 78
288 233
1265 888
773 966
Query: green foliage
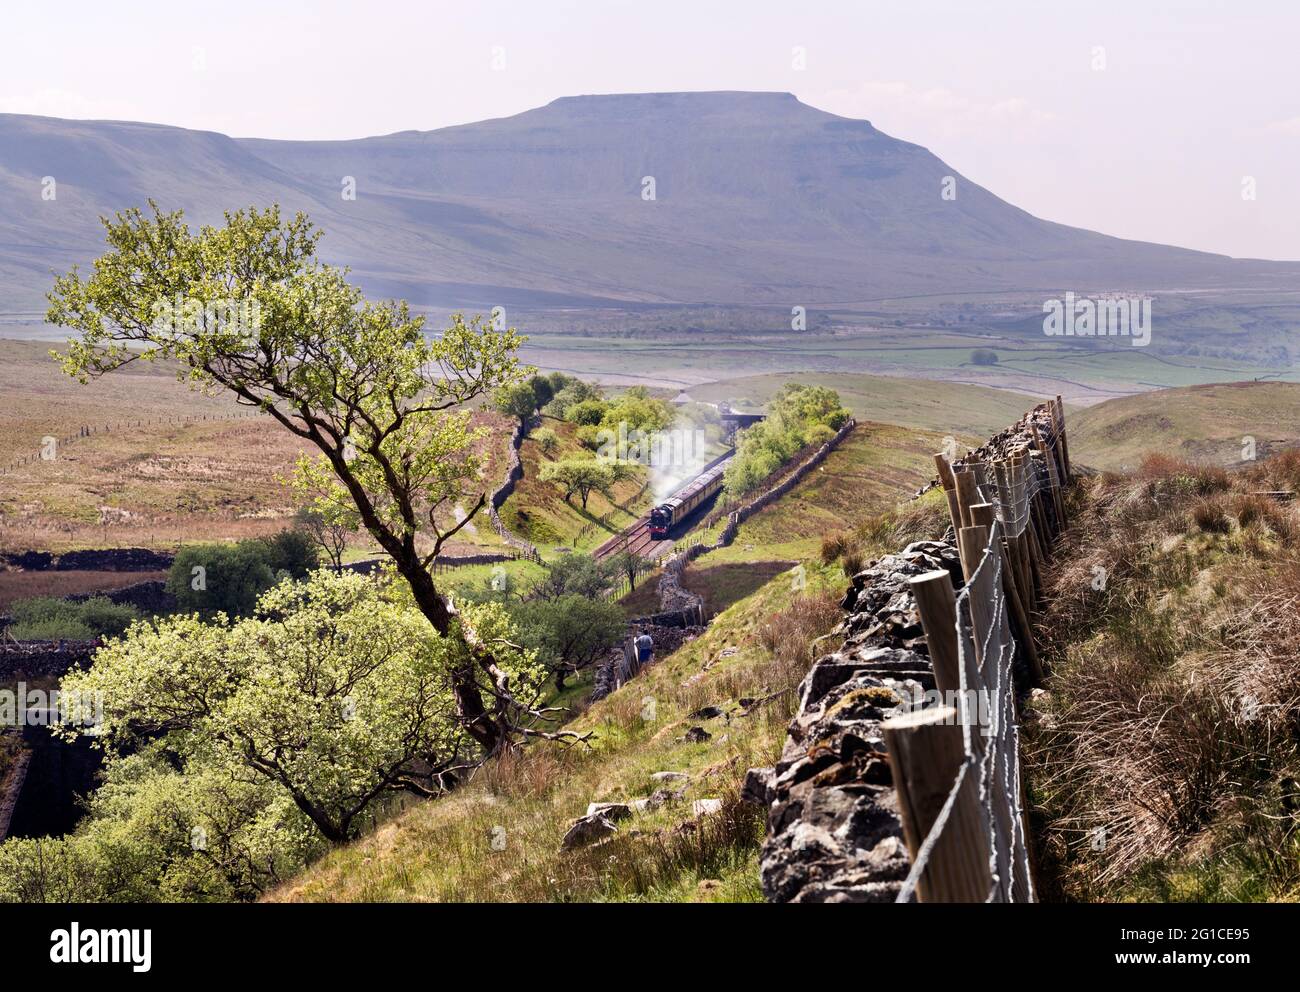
629 565
546 440
567 393
382 400
237 749
47 618
344 697
208 579
574 574
587 413
543 391
798 416
639 411
386 404
517 400
590 436
292 551
569 632
984 356
583 476
154 833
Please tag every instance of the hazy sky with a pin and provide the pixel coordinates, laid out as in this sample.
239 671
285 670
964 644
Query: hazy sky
1139 118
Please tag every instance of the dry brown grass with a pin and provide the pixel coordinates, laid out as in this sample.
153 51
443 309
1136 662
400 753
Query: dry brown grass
15 584
1161 759
174 465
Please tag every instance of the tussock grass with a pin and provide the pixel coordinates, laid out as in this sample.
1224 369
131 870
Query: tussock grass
1163 762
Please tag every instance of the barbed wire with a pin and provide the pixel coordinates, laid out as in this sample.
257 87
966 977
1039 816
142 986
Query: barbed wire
986 660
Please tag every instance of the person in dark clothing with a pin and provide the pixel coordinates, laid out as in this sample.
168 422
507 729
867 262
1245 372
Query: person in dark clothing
645 648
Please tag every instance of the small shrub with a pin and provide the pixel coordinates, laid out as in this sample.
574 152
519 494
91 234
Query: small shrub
852 563
292 551
833 546
45 618
546 440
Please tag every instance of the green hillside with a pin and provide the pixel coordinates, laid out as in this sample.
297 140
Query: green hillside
1205 424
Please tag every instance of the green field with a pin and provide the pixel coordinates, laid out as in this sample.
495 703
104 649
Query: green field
950 408
1027 363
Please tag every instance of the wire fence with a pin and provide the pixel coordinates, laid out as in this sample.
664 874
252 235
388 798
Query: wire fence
47 452
956 765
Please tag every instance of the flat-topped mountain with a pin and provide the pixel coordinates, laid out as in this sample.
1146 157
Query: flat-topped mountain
730 197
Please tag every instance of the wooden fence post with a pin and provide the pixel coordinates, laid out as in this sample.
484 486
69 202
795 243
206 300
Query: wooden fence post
937 605
982 514
949 485
927 757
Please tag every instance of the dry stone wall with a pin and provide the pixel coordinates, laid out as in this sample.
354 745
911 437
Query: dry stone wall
833 829
834 832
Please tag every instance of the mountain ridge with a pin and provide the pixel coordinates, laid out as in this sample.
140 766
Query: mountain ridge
758 199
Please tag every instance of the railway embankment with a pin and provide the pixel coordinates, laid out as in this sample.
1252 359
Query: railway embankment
683 614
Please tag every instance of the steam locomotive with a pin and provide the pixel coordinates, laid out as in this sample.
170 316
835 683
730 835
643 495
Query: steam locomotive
685 501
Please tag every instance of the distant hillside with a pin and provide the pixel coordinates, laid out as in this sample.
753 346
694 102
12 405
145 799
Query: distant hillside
1201 423
758 199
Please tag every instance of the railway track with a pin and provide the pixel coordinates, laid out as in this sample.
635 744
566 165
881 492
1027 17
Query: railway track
636 537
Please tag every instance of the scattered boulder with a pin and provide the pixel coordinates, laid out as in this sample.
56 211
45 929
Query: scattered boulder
697 735
706 713
660 797
757 787
670 776
705 807
610 811
587 830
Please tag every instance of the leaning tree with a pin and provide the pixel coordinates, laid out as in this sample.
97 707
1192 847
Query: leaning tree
247 307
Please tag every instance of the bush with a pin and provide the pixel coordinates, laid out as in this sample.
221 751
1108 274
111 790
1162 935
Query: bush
292 551
44 618
588 413
220 578
271 737
798 416
852 564
228 578
546 440
833 546
984 356
517 400
589 436
568 633
568 392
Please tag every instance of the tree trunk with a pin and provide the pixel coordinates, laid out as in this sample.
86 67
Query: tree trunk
469 700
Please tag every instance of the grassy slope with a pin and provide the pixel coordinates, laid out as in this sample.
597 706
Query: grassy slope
441 850
933 406
868 473
537 510
1202 423
1169 719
